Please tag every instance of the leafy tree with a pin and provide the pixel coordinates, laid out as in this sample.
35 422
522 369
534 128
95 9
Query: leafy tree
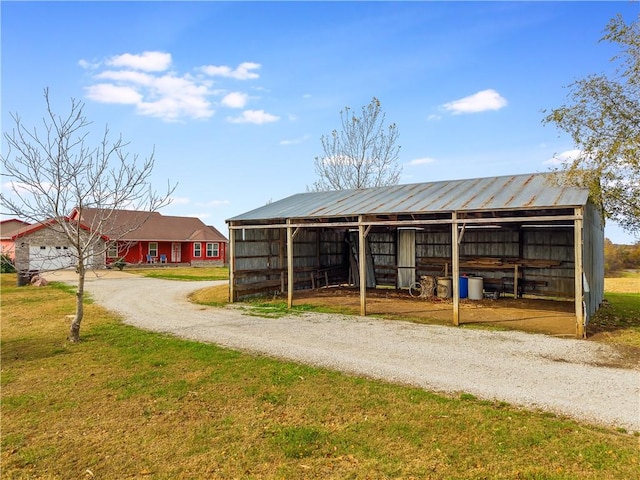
603 118
362 154
54 171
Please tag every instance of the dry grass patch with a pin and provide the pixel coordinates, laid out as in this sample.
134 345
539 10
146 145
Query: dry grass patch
126 403
213 296
622 285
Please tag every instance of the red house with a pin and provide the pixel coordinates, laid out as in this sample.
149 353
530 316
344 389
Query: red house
143 237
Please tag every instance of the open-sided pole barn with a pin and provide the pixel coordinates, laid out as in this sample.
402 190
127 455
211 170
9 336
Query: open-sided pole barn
522 234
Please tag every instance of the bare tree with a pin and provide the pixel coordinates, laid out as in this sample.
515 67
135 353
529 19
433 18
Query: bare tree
362 154
54 172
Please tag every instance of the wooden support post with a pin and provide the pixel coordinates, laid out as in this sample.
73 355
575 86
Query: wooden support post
362 266
515 281
578 269
289 265
455 269
232 264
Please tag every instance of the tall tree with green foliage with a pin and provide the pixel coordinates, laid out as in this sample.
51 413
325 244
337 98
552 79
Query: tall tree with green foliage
54 170
602 115
363 153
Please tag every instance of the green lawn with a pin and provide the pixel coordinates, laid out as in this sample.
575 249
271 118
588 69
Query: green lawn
126 403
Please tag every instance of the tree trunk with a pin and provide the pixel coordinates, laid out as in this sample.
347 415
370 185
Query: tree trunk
74 330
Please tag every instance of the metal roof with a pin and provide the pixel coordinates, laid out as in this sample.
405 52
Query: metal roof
515 192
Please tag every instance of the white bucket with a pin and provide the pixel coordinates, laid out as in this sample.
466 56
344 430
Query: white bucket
443 288
475 288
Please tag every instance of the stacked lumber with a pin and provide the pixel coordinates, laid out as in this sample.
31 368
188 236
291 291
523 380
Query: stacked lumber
490 263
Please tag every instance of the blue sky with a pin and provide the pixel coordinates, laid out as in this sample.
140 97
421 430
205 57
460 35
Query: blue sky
234 96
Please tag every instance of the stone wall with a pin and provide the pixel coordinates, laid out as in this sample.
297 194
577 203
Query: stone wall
207 263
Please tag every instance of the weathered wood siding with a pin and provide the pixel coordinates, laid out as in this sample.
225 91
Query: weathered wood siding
545 257
509 245
319 256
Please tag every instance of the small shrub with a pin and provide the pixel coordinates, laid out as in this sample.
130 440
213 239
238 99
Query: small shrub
119 263
6 264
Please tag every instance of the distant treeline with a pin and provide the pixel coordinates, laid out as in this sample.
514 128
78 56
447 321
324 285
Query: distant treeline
620 257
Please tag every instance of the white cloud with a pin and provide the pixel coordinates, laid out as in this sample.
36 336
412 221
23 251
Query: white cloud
420 161
180 201
147 81
87 65
563 158
213 203
21 187
295 141
201 216
147 61
478 102
434 117
109 93
254 116
235 100
127 76
242 71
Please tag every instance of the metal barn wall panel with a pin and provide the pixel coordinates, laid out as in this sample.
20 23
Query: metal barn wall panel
593 257
406 258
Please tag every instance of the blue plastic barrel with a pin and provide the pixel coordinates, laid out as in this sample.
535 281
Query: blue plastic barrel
464 287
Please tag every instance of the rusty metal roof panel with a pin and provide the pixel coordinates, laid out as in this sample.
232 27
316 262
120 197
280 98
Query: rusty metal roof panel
479 194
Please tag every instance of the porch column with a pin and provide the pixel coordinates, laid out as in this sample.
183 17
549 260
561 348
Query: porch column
232 263
455 268
578 269
289 264
362 266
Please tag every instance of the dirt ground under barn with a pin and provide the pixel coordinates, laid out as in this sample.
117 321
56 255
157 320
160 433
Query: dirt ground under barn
552 317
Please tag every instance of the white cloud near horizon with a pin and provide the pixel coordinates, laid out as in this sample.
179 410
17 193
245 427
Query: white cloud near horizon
567 156
148 82
180 201
213 203
21 187
478 102
201 216
420 161
257 117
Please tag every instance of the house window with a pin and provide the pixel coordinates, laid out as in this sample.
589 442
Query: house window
197 249
112 251
153 249
212 250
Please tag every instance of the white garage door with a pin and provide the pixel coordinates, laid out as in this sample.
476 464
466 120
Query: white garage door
46 257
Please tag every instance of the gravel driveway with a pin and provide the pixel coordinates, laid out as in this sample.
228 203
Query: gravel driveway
534 371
